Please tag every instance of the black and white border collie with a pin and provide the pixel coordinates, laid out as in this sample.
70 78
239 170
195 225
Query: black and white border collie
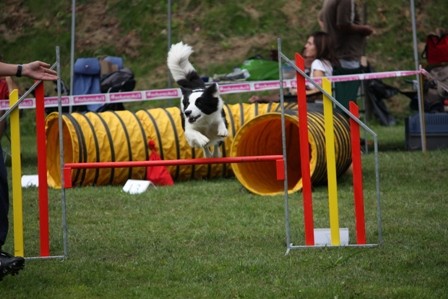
203 117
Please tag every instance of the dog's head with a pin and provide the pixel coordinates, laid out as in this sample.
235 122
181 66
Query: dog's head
199 102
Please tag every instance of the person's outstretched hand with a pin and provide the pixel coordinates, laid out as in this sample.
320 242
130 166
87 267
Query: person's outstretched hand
39 70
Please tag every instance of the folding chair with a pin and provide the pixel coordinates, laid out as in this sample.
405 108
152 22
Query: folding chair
86 79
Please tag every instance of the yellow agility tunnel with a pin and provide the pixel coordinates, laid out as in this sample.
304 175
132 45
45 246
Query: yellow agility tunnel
254 129
114 136
262 136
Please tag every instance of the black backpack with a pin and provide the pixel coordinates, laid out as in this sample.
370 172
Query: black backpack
121 80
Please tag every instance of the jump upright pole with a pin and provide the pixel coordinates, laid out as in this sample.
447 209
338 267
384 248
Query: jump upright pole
42 171
304 154
16 174
357 177
331 165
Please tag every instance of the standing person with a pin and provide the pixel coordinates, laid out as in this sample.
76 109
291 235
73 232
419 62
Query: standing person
341 20
38 70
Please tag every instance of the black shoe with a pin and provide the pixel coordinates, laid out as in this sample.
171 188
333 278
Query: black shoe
10 264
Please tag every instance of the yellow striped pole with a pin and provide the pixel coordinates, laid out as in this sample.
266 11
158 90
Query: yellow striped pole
16 175
331 165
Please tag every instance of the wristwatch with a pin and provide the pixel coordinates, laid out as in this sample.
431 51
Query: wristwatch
19 70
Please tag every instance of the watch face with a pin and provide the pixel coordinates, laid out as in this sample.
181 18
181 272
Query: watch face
19 71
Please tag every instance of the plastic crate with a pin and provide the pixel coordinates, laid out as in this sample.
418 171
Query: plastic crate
436 131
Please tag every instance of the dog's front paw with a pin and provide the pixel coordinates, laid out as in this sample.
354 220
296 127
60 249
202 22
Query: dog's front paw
196 139
223 132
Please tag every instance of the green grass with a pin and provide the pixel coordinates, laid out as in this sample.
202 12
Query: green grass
213 239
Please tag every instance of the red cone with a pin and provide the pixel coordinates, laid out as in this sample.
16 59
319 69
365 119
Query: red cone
158 175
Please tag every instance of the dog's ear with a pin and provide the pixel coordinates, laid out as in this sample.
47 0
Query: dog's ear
212 90
185 91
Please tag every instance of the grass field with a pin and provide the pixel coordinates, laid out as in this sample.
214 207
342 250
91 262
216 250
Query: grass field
213 239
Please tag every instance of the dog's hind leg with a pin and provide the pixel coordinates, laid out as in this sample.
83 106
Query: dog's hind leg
216 151
207 153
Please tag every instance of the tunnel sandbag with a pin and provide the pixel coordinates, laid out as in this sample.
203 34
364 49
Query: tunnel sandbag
96 137
262 136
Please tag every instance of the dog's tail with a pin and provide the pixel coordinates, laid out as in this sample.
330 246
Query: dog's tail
180 67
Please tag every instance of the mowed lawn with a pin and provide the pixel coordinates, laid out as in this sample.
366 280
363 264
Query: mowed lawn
213 239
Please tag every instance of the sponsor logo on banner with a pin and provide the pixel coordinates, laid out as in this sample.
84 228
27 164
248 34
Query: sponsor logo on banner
125 96
234 87
267 85
4 104
27 103
53 101
292 83
162 93
96 98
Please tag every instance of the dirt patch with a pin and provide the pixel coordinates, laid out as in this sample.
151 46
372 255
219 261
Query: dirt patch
95 28
218 53
14 19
